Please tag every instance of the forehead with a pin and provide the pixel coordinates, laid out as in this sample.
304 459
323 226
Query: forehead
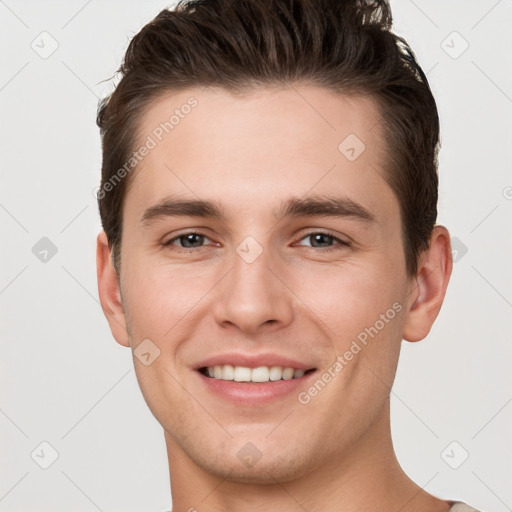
251 150
305 112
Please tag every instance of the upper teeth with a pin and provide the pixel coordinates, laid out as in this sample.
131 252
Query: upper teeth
260 374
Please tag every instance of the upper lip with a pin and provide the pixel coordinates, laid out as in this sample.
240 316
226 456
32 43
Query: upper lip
253 361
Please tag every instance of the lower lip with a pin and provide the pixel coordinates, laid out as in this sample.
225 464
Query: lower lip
251 393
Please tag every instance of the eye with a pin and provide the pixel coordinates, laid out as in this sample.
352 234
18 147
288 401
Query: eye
323 239
190 240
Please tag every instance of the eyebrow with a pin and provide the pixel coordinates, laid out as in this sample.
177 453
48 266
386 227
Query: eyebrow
312 206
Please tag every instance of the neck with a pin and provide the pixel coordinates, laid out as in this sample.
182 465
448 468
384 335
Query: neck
365 477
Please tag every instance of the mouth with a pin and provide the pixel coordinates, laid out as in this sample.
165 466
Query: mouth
257 375
257 379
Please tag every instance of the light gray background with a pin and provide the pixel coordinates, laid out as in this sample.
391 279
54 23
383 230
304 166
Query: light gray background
65 381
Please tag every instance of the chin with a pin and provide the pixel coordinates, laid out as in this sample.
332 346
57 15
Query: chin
249 465
271 472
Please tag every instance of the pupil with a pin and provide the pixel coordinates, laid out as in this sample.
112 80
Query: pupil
190 238
318 238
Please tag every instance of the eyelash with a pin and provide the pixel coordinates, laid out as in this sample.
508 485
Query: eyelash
341 243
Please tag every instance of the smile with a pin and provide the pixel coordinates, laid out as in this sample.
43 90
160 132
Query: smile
259 374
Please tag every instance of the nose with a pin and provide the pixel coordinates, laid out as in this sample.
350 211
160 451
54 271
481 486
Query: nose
254 296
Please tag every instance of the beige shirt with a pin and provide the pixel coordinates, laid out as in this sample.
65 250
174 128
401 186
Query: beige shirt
458 506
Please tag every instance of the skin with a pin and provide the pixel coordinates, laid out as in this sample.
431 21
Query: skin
249 153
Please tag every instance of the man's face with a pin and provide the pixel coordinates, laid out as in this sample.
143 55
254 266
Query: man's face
257 283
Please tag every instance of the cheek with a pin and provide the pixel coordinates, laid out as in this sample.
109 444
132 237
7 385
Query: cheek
349 298
163 394
362 307
160 297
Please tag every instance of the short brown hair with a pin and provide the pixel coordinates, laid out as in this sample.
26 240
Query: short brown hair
343 45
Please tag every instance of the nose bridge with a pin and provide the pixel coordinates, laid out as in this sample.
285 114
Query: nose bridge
252 294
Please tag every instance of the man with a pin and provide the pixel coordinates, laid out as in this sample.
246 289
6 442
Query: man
268 198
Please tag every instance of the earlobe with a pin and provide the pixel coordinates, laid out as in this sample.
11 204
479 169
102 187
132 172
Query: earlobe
428 289
109 291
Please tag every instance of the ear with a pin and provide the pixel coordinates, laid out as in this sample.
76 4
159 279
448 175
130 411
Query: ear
109 291
428 288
